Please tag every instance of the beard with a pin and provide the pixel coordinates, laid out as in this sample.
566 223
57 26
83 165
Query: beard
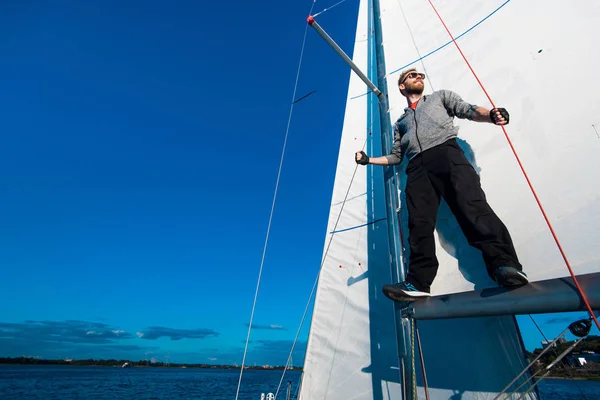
414 88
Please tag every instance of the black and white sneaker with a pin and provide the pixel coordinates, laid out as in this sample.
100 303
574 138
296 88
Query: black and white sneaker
510 277
403 291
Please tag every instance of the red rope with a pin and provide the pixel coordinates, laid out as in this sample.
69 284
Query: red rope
562 252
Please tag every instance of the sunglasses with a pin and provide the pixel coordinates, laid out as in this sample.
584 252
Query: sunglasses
413 75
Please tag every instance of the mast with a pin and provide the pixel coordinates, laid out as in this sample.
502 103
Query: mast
382 142
352 347
377 73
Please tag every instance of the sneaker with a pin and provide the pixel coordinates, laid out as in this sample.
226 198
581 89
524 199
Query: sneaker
510 277
403 291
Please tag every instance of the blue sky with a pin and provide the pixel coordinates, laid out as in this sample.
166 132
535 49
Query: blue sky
139 151
138 160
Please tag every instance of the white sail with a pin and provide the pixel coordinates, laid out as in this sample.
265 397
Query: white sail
535 69
342 344
523 54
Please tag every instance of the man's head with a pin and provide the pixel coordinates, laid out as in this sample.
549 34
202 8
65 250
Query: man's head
411 82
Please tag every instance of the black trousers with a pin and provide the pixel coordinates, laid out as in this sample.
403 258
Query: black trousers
445 171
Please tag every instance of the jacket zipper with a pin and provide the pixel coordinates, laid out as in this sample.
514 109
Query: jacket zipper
416 129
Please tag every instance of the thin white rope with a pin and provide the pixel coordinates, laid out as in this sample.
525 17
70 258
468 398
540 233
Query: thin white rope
312 292
583 396
329 8
415 44
287 130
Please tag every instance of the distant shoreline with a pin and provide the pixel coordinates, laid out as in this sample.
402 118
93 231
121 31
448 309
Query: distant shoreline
575 378
593 376
131 364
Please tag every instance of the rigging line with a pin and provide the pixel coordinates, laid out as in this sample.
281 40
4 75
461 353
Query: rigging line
583 396
422 359
412 356
544 351
360 95
305 96
548 370
538 327
329 8
554 235
298 386
295 340
312 292
273 206
415 44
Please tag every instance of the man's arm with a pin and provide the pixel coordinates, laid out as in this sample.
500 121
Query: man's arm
383 160
461 109
481 115
497 116
392 159
361 158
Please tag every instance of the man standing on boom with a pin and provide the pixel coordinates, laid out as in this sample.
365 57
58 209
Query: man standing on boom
437 167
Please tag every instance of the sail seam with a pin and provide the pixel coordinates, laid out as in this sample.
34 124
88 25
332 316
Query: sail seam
358 226
441 47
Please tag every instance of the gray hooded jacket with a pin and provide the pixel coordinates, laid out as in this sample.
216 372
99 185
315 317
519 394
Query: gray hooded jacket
429 125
